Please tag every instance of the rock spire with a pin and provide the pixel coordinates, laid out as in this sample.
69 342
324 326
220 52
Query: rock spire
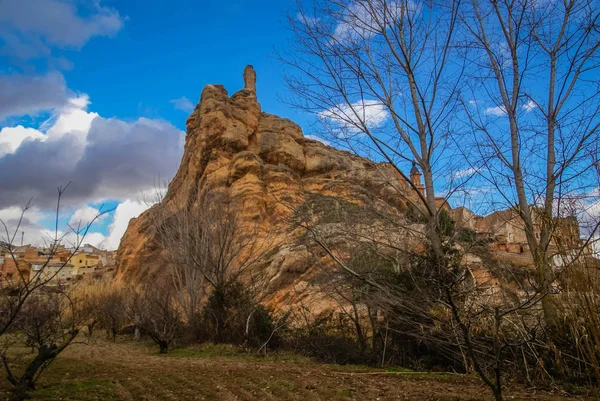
250 78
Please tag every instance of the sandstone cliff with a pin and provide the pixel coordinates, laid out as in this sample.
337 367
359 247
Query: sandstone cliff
262 159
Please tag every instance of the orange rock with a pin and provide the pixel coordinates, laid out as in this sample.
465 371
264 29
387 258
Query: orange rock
269 168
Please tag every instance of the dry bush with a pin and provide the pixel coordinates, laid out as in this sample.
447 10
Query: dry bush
579 311
111 311
160 316
212 250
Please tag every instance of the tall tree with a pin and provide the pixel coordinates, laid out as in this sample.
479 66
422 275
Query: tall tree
533 110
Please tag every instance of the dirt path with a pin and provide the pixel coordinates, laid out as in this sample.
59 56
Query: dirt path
127 371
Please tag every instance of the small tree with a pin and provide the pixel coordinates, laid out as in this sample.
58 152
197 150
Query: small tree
14 294
48 322
159 313
209 243
111 308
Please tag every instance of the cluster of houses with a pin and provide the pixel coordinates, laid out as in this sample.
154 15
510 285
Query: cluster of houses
504 230
504 233
56 265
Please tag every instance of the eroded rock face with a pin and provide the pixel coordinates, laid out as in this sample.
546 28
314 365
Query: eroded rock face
267 165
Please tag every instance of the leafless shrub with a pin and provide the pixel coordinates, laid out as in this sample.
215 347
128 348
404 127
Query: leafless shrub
158 312
210 245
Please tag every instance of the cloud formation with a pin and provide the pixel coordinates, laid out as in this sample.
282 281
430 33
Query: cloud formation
498 111
25 94
362 20
29 28
355 117
86 215
529 106
103 158
183 104
125 211
468 172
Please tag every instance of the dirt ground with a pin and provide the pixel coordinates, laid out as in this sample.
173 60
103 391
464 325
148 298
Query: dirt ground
133 371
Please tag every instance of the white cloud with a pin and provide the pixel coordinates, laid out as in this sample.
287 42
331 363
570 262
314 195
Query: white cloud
183 104
353 118
465 173
30 27
103 158
316 138
306 19
359 20
499 111
85 215
29 230
72 240
529 106
12 213
33 232
124 212
588 215
12 137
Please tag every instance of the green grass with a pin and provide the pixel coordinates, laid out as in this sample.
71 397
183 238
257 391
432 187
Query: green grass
209 351
85 390
284 385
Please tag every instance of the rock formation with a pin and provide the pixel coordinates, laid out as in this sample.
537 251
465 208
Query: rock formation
262 160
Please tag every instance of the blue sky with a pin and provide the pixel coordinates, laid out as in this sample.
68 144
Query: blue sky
168 50
97 94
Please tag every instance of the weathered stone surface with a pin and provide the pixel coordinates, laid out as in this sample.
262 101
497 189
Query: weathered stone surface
249 78
267 165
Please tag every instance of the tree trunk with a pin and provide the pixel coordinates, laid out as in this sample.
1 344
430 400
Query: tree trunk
164 347
90 329
26 382
220 316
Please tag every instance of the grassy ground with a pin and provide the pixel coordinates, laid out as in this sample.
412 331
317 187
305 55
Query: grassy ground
135 371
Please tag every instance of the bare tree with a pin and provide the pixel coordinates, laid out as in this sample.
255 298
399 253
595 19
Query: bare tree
158 311
15 293
112 311
384 76
533 110
48 321
209 243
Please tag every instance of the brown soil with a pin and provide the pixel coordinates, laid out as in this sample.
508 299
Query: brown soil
133 371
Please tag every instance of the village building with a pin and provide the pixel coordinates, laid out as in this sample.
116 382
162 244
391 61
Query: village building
55 271
84 263
504 231
9 269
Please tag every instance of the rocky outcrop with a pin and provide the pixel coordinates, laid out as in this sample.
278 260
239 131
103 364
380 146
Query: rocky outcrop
266 164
